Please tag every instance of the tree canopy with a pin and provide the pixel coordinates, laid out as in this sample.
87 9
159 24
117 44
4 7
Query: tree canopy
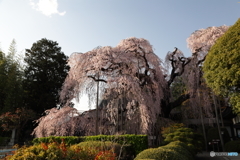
221 67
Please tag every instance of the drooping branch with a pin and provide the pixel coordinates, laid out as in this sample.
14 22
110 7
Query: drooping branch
144 77
97 79
179 100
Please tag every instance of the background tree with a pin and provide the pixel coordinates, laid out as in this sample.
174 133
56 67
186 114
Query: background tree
202 101
16 121
221 68
190 70
3 77
13 115
44 74
11 75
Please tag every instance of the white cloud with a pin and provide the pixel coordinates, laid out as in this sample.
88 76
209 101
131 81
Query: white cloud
47 7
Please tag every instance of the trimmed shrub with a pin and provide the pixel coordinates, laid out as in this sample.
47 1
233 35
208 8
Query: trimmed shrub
184 145
171 129
186 135
160 154
151 153
181 148
232 146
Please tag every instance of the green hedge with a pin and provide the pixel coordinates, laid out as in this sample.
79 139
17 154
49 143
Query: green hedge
138 142
69 140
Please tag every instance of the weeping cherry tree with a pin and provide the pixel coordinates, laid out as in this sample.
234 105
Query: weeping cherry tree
134 83
131 68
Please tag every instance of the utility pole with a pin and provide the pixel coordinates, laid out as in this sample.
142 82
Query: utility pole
220 111
96 129
217 120
202 122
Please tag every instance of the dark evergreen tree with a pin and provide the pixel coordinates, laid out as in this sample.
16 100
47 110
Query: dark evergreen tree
45 72
2 79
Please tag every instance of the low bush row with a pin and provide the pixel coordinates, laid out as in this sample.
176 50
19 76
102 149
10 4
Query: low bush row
92 150
135 143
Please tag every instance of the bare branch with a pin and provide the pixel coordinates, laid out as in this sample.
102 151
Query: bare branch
97 80
179 101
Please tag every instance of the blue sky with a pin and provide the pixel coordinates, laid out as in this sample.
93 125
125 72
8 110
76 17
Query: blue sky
81 25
